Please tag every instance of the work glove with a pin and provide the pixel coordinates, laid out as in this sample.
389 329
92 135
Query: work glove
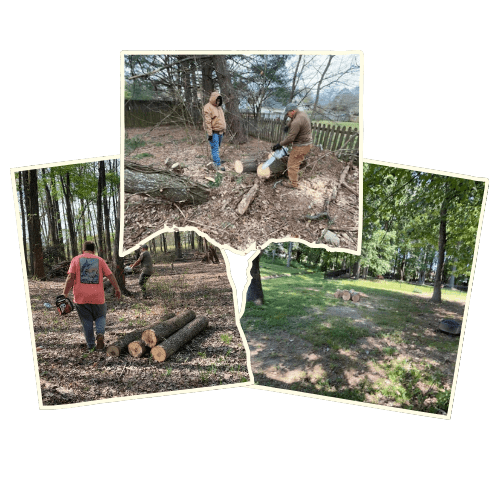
276 147
209 138
286 129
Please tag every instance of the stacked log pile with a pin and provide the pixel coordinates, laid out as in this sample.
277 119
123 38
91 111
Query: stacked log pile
163 339
348 295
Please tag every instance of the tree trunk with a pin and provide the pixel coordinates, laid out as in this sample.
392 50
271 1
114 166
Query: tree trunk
163 184
171 345
436 294
100 181
22 196
34 220
155 335
178 246
138 348
207 82
318 89
118 261
289 257
121 345
255 293
276 169
250 164
69 214
233 117
105 206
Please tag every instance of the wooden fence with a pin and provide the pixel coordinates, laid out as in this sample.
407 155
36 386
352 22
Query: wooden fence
331 137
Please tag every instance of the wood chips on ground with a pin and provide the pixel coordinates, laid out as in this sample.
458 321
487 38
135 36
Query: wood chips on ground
276 213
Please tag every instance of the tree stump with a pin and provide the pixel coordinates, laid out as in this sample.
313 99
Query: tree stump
171 345
154 336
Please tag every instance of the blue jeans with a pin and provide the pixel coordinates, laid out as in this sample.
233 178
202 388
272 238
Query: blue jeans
215 144
88 313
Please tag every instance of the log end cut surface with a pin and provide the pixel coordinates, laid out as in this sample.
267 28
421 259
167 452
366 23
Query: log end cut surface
137 348
264 173
113 351
149 338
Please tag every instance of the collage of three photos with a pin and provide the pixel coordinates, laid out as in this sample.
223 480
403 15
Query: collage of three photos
360 271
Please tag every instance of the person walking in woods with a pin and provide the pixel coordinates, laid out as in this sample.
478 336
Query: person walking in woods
146 262
300 136
215 126
85 276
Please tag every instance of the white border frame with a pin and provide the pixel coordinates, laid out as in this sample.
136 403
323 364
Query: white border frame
41 406
253 246
464 322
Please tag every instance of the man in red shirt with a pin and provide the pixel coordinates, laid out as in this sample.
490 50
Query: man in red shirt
85 276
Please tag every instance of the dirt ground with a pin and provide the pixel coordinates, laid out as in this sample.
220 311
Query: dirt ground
276 213
284 360
70 374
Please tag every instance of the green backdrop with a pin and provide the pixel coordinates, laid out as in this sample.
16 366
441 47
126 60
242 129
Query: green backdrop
430 101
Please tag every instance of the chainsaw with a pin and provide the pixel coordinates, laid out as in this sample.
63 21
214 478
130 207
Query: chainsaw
280 153
64 305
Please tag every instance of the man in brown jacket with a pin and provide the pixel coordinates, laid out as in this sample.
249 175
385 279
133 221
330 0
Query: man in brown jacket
300 136
215 126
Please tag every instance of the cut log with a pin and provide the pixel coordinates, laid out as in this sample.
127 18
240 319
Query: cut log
277 168
120 346
171 345
154 336
138 348
248 198
163 184
355 297
250 164
346 295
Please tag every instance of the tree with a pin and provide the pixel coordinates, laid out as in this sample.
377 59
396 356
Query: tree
33 216
255 293
233 116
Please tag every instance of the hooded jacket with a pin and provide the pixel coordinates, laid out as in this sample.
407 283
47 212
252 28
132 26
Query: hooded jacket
214 115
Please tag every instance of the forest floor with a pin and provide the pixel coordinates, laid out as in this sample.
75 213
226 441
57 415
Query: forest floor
385 350
276 213
216 357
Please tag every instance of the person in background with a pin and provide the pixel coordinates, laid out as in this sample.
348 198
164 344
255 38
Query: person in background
215 126
146 262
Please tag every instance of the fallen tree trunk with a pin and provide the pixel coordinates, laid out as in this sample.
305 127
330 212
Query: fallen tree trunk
277 168
138 348
121 345
171 345
250 164
163 184
248 198
154 336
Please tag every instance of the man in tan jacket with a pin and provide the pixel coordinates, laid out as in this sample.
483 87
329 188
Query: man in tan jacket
300 136
215 126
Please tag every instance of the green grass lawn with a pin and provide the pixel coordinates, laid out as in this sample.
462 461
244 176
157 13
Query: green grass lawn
397 319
